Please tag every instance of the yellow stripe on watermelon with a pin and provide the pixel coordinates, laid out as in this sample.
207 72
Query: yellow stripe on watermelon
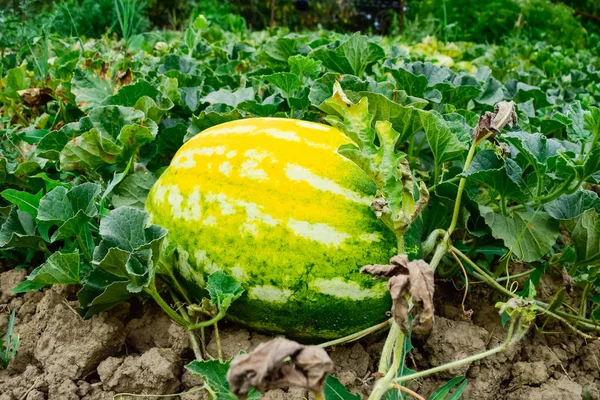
271 202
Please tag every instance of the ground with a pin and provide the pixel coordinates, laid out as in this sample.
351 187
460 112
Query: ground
135 348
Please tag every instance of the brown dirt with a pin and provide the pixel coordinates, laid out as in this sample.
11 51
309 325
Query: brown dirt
135 348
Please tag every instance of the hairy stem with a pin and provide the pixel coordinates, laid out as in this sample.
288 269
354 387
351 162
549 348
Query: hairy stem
384 384
468 360
442 248
388 347
540 306
204 324
357 335
166 308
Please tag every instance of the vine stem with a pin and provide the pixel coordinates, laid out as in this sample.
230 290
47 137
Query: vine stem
539 306
384 384
357 335
204 324
388 347
166 307
468 360
442 248
191 335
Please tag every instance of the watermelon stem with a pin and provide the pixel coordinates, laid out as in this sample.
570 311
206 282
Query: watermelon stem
204 324
166 307
386 383
356 336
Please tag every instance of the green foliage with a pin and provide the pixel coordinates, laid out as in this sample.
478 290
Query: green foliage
496 20
76 164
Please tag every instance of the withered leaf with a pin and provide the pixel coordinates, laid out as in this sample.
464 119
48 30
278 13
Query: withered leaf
380 207
36 97
124 78
567 281
279 363
413 278
490 124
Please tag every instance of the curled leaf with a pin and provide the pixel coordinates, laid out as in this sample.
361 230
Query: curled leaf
490 124
414 279
279 363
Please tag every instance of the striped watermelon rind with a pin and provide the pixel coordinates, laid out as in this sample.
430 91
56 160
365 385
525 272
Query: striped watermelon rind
271 202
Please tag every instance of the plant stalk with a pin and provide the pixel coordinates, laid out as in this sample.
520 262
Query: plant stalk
384 384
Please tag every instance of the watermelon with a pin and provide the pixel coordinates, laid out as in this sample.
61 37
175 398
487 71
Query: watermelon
270 202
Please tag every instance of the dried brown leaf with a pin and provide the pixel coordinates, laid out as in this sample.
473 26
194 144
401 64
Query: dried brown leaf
413 278
268 367
125 78
380 207
490 124
36 97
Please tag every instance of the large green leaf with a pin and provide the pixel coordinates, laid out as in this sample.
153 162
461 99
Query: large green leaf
144 97
530 235
26 202
443 142
353 56
101 291
18 230
489 170
130 246
133 190
90 89
108 131
59 269
569 206
69 210
585 235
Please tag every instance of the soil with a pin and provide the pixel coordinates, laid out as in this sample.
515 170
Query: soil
136 349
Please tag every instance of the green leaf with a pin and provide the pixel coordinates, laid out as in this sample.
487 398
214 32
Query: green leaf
209 119
231 98
569 206
301 65
285 81
223 290
214 374
100 292
489 170
103 143
534 147
282 48
69 210
18 230
201 22
441 392
130 246
334 390
585 235
144 97
59 269
592 123
133 190
89 89
352 56
443 142
529 235
16 79
26 202
28 286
